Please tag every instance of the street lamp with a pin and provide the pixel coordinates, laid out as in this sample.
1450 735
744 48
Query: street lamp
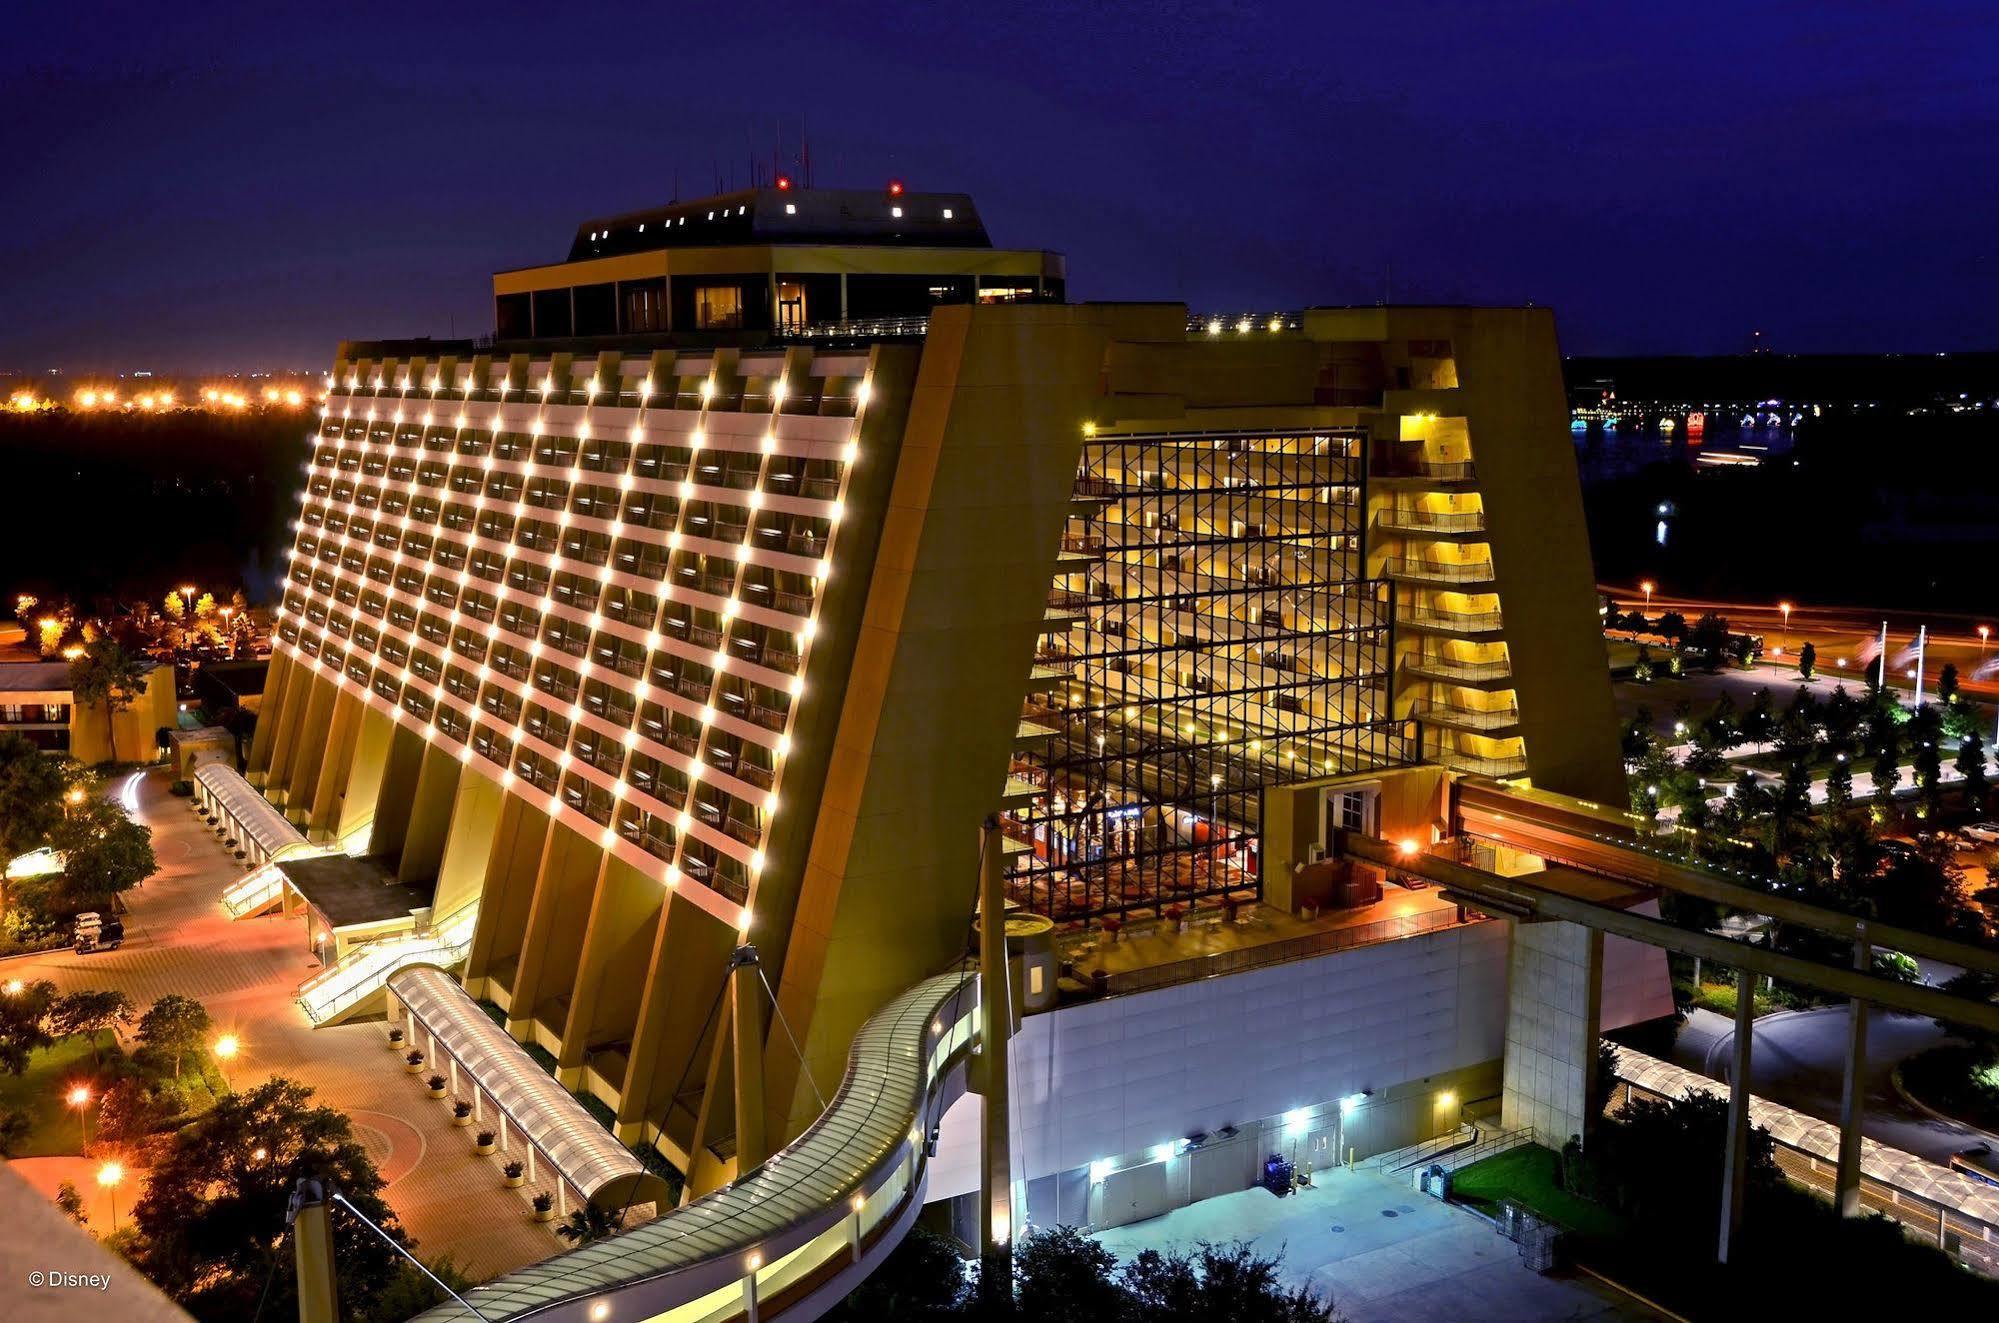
15 987
108 1176
79 1098
1785 607
226 1048
1984 633
1646 588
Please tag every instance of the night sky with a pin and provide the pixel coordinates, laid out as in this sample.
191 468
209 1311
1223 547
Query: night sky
228 186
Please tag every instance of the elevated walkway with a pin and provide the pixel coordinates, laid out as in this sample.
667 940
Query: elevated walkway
793 1236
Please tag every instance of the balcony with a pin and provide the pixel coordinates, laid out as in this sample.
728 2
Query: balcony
1404 570
1452 624
1473 765
1433 525
1471 674
1422 474
1446 716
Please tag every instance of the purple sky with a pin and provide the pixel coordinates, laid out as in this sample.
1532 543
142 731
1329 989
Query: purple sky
224 186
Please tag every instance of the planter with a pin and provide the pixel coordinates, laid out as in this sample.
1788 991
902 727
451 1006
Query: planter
484 1150
437 1092
544 1214
513 1182
461 1120
413 1067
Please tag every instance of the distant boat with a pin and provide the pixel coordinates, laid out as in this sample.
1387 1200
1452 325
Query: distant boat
1696 425
1726 460
1666 426
1579 424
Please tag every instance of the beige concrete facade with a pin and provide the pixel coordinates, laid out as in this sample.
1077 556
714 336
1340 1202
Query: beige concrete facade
636 653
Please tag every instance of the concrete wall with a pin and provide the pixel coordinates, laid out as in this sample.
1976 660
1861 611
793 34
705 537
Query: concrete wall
1552 1023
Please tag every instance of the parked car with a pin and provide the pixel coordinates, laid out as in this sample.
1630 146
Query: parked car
1985 833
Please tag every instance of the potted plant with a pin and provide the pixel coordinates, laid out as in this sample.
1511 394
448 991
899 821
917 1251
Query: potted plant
513 1174
1114 926
461 1112
482 1143
1176 917
413 1062
436 1085
1230 907
395 1038
544 1207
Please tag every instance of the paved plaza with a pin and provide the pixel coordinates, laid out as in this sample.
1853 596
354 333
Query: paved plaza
1383 1253
177 939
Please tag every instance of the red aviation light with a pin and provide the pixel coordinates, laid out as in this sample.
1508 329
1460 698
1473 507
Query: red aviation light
784 183
895 188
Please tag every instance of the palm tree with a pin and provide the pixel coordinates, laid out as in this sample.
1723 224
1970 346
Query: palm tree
589 1224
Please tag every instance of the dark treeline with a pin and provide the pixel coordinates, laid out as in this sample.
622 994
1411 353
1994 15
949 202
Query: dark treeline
112 507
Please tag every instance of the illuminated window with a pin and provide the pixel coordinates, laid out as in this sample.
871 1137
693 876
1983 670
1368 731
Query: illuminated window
718 307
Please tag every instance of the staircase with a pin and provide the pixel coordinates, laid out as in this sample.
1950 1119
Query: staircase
260 889
349 983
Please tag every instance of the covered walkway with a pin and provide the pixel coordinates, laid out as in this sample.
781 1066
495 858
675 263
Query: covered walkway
563 1142
248 824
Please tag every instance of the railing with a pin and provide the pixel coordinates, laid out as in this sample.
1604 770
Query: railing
1459 718
336 989
1433 521
868 328
1450 669
799 1230
1389 466
1475 765
1437 571
1283 952
1242 323
254 892
1461 621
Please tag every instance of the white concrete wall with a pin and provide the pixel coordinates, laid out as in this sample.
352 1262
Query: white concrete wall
1119 1075
1636 985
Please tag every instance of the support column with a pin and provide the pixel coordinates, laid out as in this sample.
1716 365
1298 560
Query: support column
746 1017
312 1255
995 1027
323 818
265 736
1852 1097
309 750
1735 1170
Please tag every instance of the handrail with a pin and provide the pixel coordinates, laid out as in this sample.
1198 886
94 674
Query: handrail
800 1223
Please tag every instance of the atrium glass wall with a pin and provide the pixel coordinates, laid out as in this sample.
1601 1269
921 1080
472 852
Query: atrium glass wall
1209 634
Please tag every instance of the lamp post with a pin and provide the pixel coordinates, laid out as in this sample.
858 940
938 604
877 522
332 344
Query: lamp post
1984 633
108 1176
226 1048
1785 607
1646 588
79 1098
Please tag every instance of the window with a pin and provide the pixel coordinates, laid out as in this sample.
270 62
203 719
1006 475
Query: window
790 304
718 307
947 213
791 208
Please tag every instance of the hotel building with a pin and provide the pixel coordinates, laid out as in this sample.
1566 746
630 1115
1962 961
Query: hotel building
779 540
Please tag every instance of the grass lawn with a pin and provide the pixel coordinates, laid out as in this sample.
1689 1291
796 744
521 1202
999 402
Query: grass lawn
40 1093
1527 1176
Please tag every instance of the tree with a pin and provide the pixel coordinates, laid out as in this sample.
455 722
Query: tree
1216 1284
590 1223
1759 723
133 1108
1947 684
104 853
32 785
174 1026
1062 1276
71 1203
24 1024
1808 661
14 1129
1839 781
212 1219
90 1013
923 1281
1672 626
1971 766
107 676
1709 638
1925 737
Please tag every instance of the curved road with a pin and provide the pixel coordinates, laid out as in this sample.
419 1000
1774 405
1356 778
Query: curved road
1799 1059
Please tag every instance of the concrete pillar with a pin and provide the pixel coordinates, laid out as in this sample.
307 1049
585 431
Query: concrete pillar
1553 1015
1735 1172
312 1256
610 972
309 744
430 816
265 737
505 888
746 1024
323 816
364 773
570 867
395 796
1852 1096
284 745
688 962
995 1028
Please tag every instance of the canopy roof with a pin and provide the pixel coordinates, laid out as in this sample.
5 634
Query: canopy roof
252 814
586 1155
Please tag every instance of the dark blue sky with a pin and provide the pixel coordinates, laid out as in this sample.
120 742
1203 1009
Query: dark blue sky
232 185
